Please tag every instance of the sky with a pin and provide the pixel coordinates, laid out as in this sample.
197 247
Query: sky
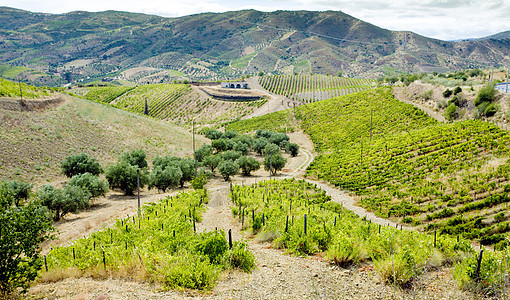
441 19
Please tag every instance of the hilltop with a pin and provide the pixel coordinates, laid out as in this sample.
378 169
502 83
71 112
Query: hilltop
143 48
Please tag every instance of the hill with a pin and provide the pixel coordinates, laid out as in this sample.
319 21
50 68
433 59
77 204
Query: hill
87 46
32 144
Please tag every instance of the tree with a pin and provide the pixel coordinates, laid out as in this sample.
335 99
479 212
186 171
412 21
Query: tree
203 151
457 90
211 161
90 183
293 149
276 162
259 145
247 164
165 177
23 229
135 158
278 138
19 190
447 93
230 134
451 112
213 134
222 145
271 149
228 168
123 176
199 182
241 147
230 155
79 164
71 199
487 93
187 166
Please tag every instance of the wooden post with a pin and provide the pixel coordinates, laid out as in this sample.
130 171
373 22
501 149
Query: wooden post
263 220
111 237
125 244
104 261
138 189
335 221
194 226
253 216
379 228
477 272
74 255
435 237
94 245
127 229
287 225
45 264
242 219
305 224
174 233
230 238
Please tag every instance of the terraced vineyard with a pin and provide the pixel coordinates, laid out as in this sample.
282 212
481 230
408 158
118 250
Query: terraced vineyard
310 88
160 246
280 121
299 217
178 103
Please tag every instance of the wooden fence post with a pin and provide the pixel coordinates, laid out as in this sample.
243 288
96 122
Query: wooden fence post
230 238
305 224
479 263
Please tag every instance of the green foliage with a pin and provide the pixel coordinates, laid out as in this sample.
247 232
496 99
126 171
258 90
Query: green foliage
212 161
213 134
135 158
222 144
11 89
271 149
457 90
71 199
23 229
451 112
230 155
292 148
90 183
274 163
199 182
79 164
228 168
491 110
447 93
203 151
106 94
241 147
163 177
248 164
17 190
259 144
123 176
240 257
486 94
187 166
160 247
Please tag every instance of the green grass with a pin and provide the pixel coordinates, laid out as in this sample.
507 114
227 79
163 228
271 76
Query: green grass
159 247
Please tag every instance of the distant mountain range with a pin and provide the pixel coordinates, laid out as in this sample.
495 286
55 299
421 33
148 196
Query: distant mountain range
83 46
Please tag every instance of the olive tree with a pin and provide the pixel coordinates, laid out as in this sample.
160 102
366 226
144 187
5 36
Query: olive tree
79 164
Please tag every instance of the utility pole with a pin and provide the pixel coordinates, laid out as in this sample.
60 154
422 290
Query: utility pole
194 152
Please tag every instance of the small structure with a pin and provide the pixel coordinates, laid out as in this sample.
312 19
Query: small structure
235 85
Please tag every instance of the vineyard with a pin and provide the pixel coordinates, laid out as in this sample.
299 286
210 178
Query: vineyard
178 103
299 217
11 89
280 121
161 246
310 88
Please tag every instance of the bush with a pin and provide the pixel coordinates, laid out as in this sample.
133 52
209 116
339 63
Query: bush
275 162
18 190
426 95
79 164
199 182
71 199
135 158
214 245
491 110
457 90
248 164
90 183
123 176
486 94
451 112
345 252
24 228
228 168
447 93
240 257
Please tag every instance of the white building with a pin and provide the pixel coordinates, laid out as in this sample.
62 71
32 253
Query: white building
235 85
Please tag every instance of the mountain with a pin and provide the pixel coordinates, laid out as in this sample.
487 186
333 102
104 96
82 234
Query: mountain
505 35
143 48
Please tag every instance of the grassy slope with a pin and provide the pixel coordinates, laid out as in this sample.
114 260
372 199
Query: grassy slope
32 145
11 89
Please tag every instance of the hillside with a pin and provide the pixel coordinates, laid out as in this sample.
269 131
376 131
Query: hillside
178 103
87 46
32 144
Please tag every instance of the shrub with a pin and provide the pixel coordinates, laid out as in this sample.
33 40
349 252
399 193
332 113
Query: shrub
71 199
199 182
248 164
426 95
274 162
228 168
486 94
24 228
240 257
345 252
90 183
451 112
214 245
79 164
447 93
293 149
123 176
491 110
135 158
187 166
457 90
